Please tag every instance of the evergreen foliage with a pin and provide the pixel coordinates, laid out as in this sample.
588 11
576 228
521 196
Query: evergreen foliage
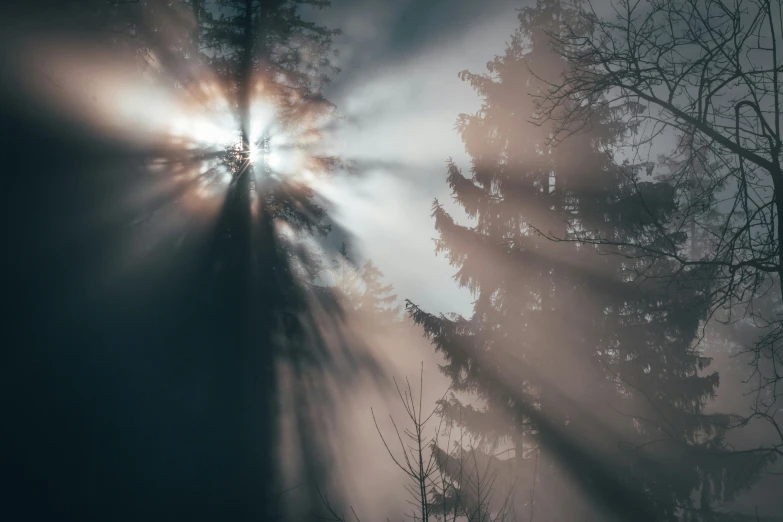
592 376
260 269
364 291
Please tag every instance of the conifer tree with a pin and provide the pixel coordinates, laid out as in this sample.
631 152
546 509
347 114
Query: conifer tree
592 379
377 298
259 283
363 289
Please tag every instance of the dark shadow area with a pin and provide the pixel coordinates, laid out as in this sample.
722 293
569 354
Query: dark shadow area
145 385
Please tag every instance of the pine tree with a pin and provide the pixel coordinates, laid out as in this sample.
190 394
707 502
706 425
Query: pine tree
376 298
568 356
363 290
260 291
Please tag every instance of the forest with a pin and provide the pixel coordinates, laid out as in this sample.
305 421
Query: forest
364 260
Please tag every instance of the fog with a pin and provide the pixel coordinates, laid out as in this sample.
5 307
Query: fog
231 281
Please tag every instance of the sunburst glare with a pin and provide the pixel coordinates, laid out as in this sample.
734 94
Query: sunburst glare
255 155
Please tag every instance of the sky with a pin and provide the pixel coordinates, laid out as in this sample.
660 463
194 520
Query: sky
399 97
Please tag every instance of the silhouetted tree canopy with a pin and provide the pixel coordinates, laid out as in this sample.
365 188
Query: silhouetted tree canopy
593 377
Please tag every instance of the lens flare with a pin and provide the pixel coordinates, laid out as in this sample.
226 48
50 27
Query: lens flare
255 155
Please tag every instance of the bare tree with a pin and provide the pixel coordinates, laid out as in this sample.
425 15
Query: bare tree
447 479
698 80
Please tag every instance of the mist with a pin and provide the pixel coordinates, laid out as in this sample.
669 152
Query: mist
311 260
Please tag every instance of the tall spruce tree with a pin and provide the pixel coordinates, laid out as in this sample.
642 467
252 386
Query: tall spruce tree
591 378
259 290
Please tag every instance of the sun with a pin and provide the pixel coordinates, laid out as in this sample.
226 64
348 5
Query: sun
255 155
273 159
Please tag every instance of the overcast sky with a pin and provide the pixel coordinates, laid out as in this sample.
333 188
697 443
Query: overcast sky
399 97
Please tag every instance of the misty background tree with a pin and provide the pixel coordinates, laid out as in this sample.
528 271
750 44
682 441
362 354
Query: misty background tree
595 442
